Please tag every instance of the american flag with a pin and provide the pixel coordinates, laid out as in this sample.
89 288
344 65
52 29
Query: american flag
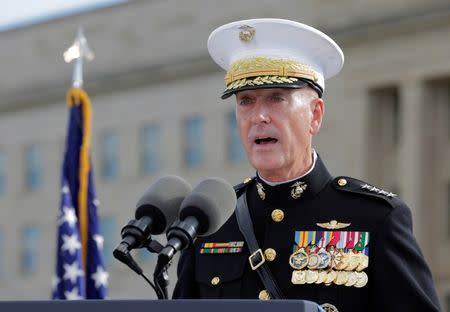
80 270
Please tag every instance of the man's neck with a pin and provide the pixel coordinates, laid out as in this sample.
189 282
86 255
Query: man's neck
280 180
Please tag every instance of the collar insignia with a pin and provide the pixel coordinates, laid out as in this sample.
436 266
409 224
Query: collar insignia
297 189
333 225
260 189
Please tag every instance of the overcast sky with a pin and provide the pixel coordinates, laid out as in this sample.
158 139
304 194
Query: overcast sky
16 13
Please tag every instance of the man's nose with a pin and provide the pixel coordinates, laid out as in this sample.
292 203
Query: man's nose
261 113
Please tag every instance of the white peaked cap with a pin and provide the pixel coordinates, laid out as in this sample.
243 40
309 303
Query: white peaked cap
274 50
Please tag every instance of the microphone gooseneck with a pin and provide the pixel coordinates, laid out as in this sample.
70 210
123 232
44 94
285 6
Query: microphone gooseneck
202 213
155 210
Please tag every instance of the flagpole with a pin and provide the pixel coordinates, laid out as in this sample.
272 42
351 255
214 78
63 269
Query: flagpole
76 53
80 270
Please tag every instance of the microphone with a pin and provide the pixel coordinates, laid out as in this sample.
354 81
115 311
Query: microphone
155 210
202 213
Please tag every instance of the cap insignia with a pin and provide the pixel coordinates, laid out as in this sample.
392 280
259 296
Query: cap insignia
247 33
333 225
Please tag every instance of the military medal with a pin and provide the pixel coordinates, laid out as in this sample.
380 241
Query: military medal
353 262
344 259
311 276
314 261
353 238
341 277
331 276
313 258
363 241
363 262
325 257
362 279
350 240
335 258
361 248
322 275
299 259
352 279
335 255
298 277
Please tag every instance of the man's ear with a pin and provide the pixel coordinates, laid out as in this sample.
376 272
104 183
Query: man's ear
317 112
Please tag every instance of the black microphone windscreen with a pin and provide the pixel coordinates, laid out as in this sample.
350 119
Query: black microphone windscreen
212 202
162 201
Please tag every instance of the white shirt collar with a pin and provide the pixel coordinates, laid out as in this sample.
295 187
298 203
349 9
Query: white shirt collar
306 173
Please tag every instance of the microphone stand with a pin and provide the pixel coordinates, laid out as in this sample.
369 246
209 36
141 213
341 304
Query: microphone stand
180 235
132 231
160 275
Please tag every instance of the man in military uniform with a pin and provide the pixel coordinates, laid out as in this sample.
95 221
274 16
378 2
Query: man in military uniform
340 242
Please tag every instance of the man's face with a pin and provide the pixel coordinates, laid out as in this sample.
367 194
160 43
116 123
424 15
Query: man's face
276 128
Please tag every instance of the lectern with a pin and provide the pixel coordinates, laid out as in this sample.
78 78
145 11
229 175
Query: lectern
160 306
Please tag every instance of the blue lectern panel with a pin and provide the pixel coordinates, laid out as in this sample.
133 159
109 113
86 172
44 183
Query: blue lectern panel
160 306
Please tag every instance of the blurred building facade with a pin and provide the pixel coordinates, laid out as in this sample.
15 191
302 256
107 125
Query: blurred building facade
155 95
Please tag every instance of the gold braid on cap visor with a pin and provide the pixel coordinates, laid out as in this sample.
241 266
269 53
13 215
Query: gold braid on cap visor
268 71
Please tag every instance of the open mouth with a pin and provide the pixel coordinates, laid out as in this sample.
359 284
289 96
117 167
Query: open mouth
267 140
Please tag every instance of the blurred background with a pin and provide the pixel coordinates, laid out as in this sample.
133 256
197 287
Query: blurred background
155 95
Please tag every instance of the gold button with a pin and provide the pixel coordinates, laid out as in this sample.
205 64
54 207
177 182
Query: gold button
264 295
270 254
215 280
277 215
246 180
342 182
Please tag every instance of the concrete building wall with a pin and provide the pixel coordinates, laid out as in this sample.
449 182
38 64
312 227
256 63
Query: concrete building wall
152 65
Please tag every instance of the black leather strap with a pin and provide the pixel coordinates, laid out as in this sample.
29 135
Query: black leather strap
257 261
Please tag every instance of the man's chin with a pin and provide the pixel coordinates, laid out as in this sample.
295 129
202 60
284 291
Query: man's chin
265 165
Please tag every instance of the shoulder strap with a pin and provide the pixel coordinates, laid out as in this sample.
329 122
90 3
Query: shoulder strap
256 259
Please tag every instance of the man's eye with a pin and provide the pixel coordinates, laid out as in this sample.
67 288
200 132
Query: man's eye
277 99
245 101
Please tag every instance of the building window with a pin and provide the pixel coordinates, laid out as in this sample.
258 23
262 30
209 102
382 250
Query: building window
34 170
384 134
448 302
236 152
108 227
110 155
385 115
2 247
2 172
30 252
448 209
448 113
151 147
193 140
